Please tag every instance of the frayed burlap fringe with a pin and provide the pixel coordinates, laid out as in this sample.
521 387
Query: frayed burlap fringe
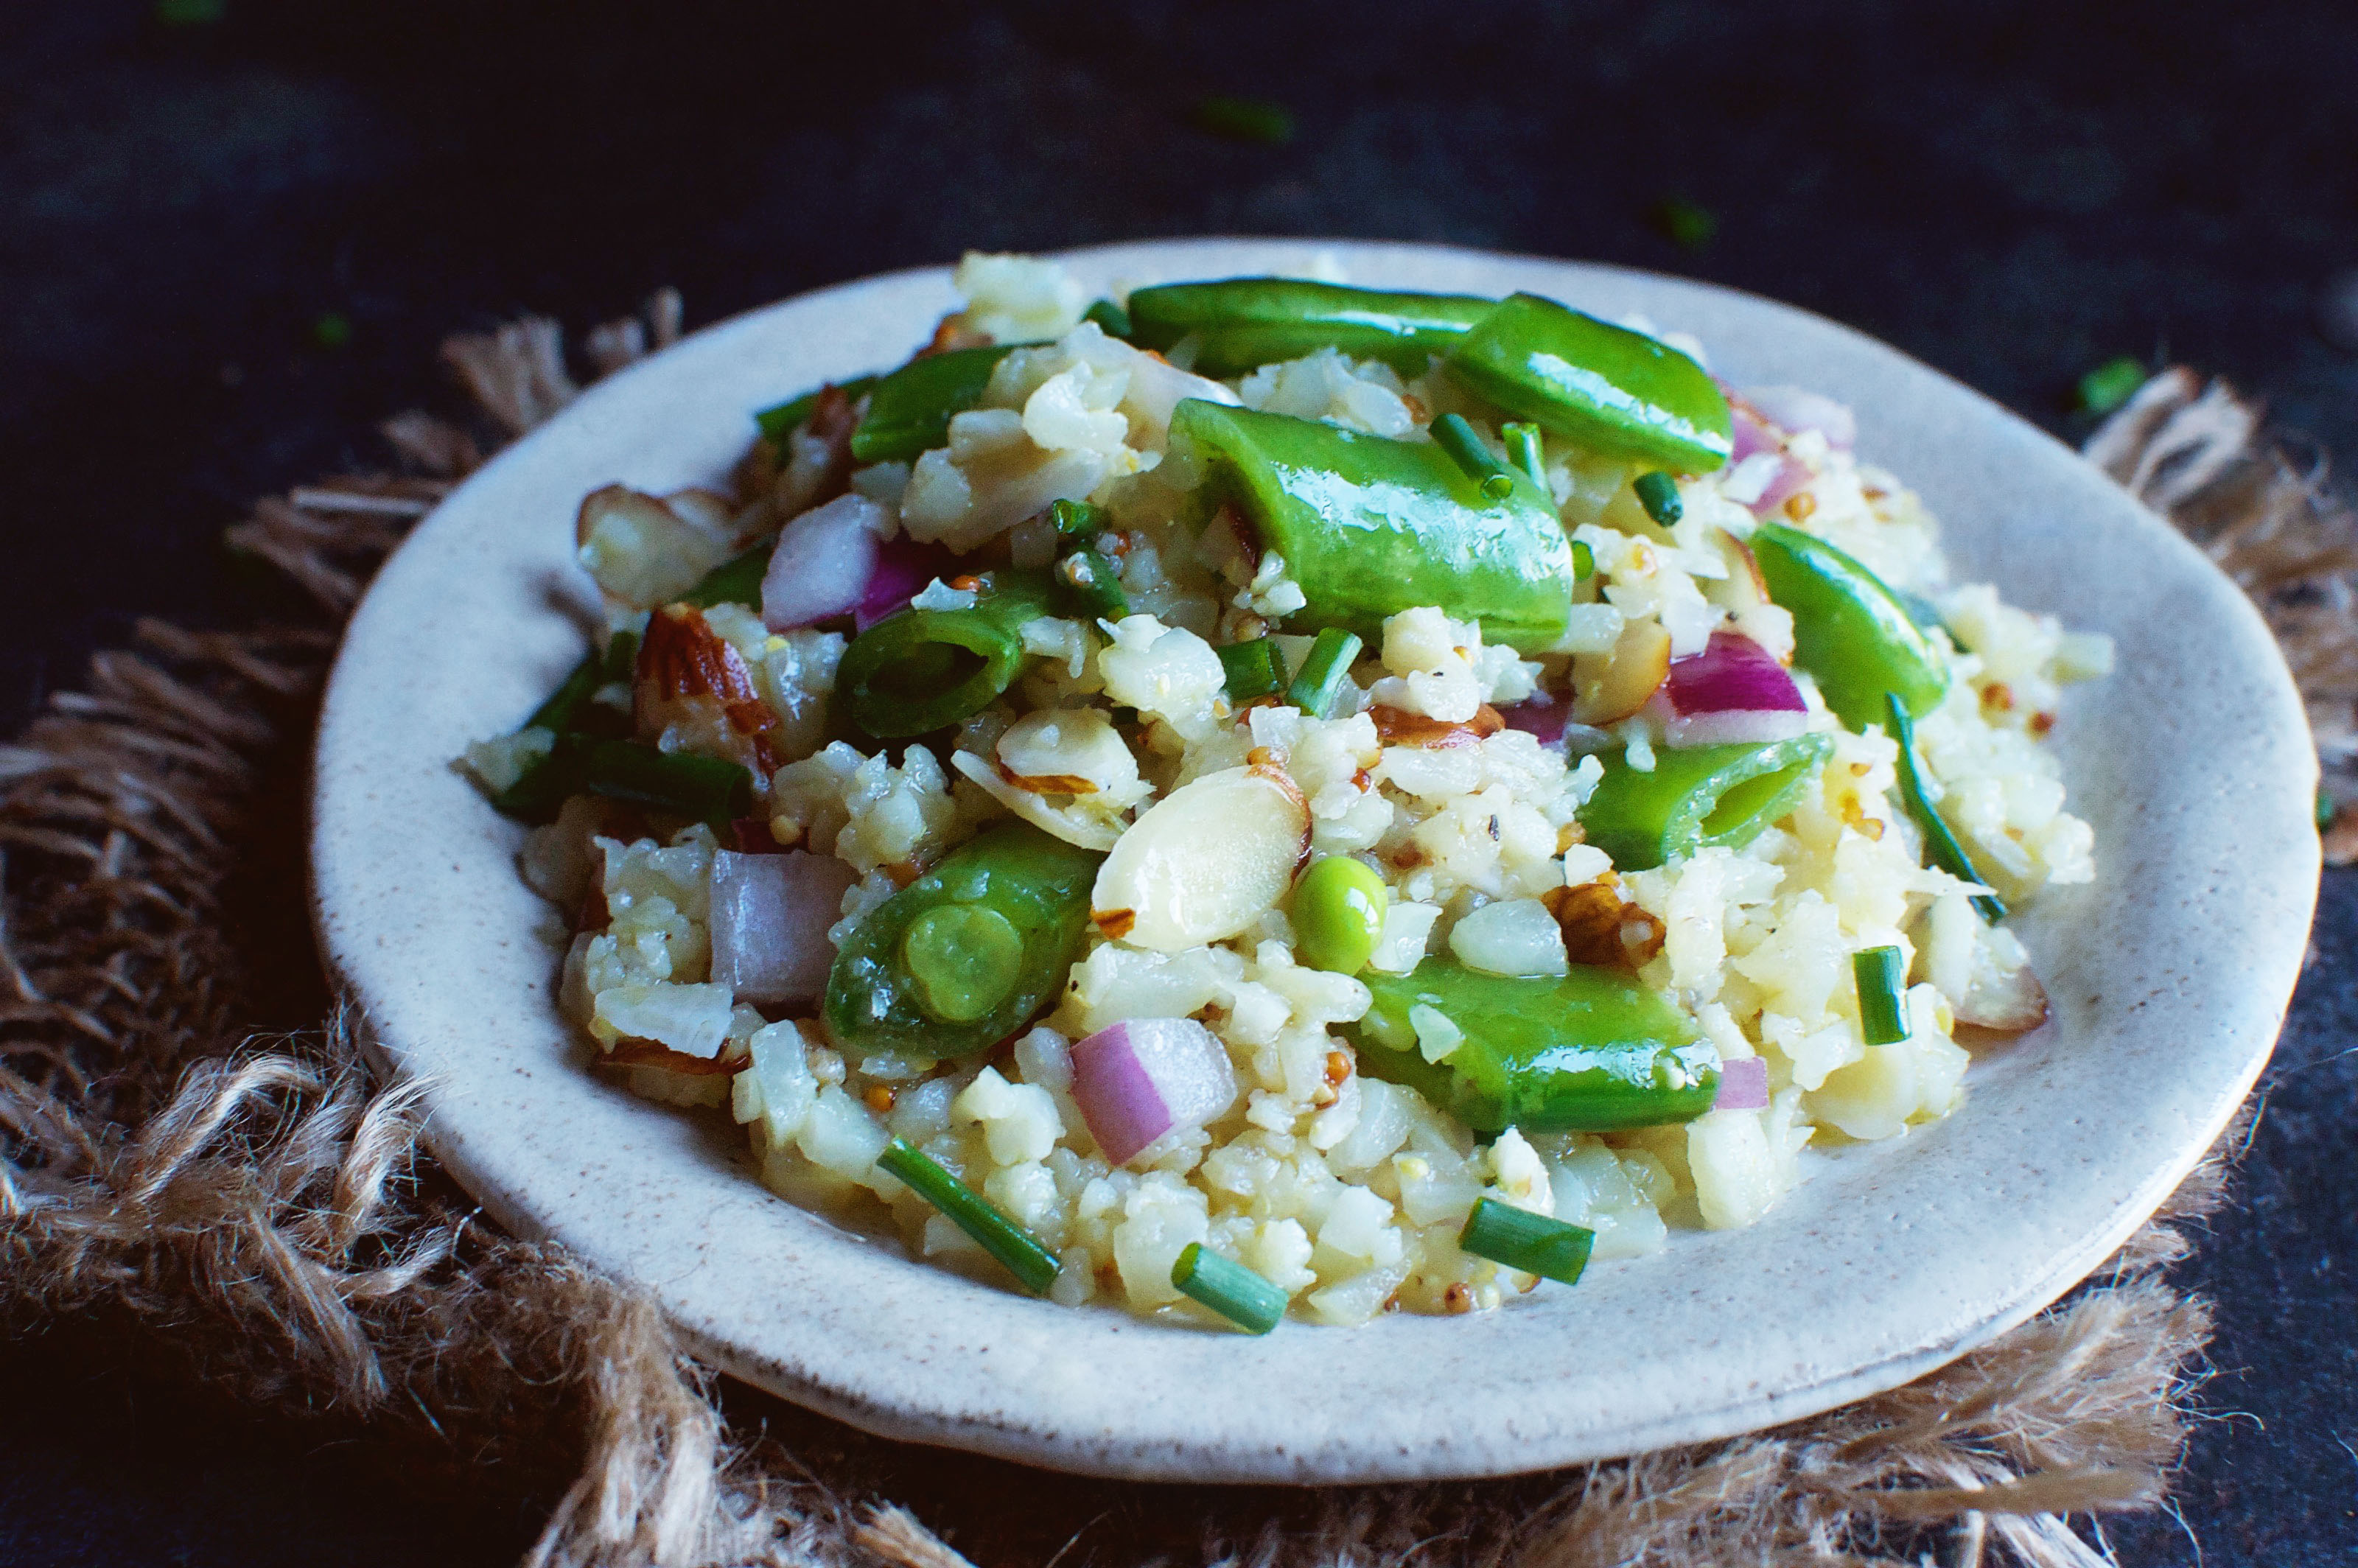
265 1211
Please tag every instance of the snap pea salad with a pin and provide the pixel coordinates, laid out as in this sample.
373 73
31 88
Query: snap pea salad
1416 746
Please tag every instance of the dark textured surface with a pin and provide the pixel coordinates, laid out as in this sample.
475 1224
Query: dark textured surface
2012 191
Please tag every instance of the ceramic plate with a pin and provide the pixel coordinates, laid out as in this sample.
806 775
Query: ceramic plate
2169 976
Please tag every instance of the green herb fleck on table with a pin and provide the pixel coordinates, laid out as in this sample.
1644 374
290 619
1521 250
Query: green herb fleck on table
2110 385
1685 223
1255 120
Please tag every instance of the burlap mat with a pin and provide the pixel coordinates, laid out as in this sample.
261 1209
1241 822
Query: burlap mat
258 1215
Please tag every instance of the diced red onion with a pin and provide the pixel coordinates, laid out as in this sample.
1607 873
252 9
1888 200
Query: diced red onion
904 568
1136 1080
824 562
1794 409
769 918
1539 715
1743 1084
1734 691
1748 432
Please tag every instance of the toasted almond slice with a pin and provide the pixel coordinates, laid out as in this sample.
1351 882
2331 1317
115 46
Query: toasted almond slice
1609 687
2010 1004
1203 862
1398 726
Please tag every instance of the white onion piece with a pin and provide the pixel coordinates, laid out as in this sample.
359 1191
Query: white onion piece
1735 726
1136 1080
1795 410
823 562
1743 1084
770 917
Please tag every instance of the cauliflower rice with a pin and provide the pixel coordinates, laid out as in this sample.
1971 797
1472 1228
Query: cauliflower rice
1345 1191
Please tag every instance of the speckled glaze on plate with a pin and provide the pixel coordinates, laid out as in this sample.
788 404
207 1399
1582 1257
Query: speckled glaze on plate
2169 976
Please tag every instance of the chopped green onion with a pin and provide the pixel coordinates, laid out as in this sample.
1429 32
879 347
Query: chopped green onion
1252 669
621 661
1658 492
709 789
333 329
1882 995
2324 802
1522 1240
737 580
1228 1288
2110 385
1076 519
1464 448
1584 561
191 13
781 420
1939 841
1523 451
1324 672
565 704
1094 583
1684 223
1244 120
1111 319
1024 1255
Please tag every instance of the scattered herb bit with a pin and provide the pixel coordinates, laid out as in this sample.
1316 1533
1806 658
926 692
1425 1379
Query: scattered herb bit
1882 995
1228 1288
1684 222
1324 672
1076 519
333 329
1024 1255
1658 492
1532 1242
1457 438
191 13
1111 319
1523 449
1253 120
1584 561
1939 842
2110 385
1253 669
2325 808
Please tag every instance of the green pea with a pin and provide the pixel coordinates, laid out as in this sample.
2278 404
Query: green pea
1338 914
965 958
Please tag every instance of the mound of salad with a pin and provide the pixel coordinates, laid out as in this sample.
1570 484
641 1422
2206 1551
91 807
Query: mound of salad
1262 796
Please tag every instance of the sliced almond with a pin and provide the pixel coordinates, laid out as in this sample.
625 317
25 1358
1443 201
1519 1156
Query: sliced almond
1609 687
2008 1004
1398 726
641 551
1205 862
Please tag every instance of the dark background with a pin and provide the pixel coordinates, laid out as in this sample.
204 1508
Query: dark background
230 243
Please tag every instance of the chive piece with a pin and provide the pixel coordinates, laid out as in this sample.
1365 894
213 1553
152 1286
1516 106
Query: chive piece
1324 672
332 329
2110 385
1584 561
1523 449
1939 841
1111 319
1093 584
1522 1240
737 580
1465 448
1882 995
1684 222
620 662
1252 669
2325 806
1076 519
782 419
565 704
1228 1288
1245 119
1658 492
1024 1255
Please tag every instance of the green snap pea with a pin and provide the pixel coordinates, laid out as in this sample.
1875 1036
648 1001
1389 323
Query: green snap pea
909 412
1338 915
737 580
1850 630
1239 323
1592 1051
1370 526
964 957
1698 796
921 669
1610 390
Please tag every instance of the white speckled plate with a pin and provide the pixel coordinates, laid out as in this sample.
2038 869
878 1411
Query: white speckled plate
2169 976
